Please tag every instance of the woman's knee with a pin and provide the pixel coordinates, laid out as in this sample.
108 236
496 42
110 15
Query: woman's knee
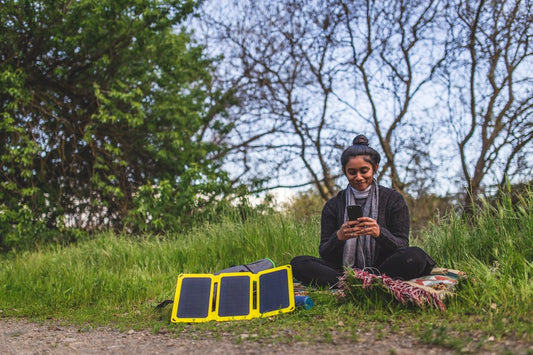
312 270
407 263
300 263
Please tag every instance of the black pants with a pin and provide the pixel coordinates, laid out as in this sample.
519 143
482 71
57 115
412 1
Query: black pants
404 264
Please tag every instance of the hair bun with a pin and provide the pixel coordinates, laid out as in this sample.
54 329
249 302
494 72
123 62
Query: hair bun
361 140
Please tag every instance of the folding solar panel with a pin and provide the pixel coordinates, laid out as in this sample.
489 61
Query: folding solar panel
235 296
232 296
274 293
192 302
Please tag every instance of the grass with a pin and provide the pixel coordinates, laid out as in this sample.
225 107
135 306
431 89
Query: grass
117 280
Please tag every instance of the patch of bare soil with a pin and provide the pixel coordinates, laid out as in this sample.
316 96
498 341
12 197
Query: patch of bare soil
21 337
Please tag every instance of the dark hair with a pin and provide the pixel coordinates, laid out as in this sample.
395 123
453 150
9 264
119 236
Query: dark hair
360 147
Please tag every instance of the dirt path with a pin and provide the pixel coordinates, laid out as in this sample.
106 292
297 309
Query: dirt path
20 337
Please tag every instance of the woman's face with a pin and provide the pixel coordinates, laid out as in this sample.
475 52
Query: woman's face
359 172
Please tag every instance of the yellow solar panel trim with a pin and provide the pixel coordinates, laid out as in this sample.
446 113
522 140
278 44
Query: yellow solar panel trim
275 291
233 296
193 301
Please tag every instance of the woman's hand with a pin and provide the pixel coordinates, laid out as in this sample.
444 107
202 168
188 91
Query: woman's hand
367 226
362 226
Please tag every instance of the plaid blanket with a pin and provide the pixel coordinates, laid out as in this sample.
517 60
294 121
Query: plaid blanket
428 290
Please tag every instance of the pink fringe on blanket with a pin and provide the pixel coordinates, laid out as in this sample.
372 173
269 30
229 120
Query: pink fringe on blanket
402 291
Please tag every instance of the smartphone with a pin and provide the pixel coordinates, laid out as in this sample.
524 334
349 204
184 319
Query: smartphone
354 212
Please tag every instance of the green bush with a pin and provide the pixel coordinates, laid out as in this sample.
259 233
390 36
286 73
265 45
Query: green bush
132 106
21 229
306 204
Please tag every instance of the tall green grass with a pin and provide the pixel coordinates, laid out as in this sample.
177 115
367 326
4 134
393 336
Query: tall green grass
119 279
495 248
114 272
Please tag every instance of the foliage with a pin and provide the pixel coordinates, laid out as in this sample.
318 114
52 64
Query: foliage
306 204
426 208
99 100
162 208
21 230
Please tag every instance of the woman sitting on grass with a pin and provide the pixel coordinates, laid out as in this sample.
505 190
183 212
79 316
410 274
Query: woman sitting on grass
378 242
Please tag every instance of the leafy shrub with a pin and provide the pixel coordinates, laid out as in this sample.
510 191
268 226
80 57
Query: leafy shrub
21 229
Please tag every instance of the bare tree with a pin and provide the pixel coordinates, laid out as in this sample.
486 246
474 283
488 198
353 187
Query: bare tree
306 72
281 59
309 75
394 51
490 89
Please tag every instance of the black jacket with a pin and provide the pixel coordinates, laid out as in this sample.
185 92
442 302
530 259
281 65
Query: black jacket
393 221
